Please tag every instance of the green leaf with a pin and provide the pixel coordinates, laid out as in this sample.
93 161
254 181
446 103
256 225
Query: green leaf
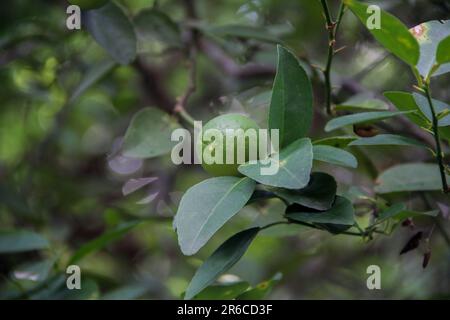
262 290
220 261
334 156
362 102
93 75
207 206
154 24
387 140
410 177
291 106
223 291
404 101
337 142
149 134
429 35
294 167
439 106
405 214
443 51
319 194
393 34
390 212
21 241
342 213
101 241
112 30
356 118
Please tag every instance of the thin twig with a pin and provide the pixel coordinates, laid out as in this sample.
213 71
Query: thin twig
332 27
439 155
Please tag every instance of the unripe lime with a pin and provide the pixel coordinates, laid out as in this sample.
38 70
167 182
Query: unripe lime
89 4
221 124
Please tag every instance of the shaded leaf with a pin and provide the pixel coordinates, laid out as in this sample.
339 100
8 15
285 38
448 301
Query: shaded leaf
410 177
319 194
112 30
387 140
404 101
262 290
362 102
334 156
337 142
294 167
221 198
220 261
356 118
95 74
21 241
393 34
149 134
102 241
439 106
291 107
342 213
154 24
223 291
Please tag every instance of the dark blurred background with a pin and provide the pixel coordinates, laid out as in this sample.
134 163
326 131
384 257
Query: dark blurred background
61 171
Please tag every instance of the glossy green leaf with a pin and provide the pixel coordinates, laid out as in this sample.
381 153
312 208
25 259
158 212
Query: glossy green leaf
387 140
334 156
342 213
337 142
392 34
439 106
149 134
294 167
21 241
154 24
102 241
410 177
362 102
429 35
291 107
220 261
404 101
319 194
221 198
357 118
443 51
112 30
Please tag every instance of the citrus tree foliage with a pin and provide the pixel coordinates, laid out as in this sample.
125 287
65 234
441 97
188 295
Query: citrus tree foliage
87 176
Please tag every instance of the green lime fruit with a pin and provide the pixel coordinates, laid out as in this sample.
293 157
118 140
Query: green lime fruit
89 4
222 124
